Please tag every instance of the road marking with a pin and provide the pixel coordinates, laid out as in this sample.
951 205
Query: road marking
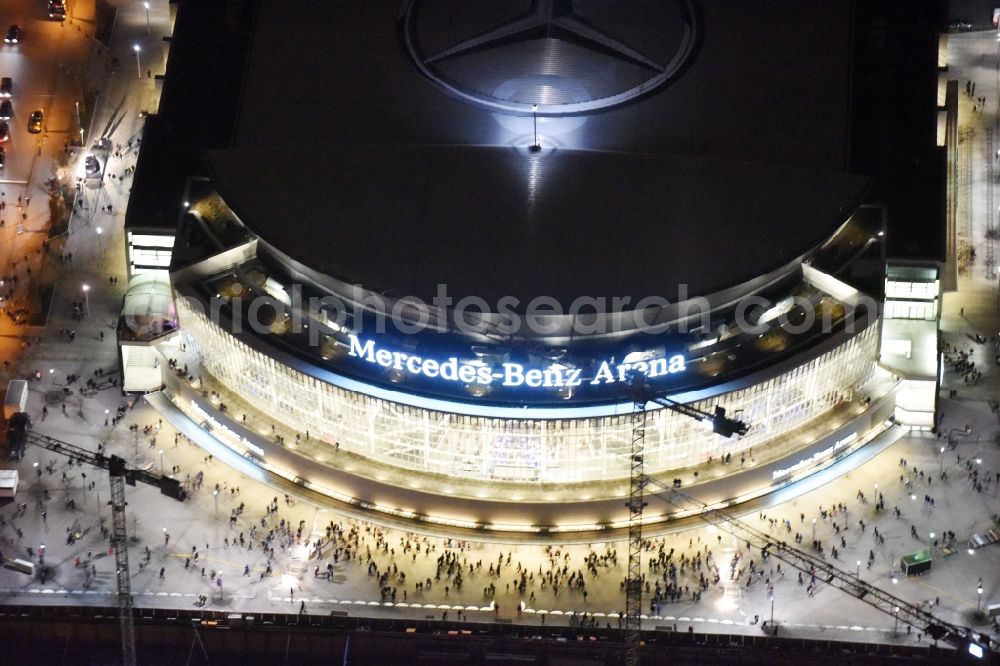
483 609
944 593
207 558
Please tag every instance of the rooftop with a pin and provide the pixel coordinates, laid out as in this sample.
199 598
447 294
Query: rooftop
682 142
675 117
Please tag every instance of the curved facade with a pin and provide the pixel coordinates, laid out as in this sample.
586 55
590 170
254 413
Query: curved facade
531 451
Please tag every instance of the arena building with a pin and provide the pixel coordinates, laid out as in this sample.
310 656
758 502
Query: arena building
427 247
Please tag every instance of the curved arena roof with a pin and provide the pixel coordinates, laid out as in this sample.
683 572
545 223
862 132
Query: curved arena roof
385 142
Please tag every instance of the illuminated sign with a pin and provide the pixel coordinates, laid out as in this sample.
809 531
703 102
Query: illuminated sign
554 375
243 441
819 455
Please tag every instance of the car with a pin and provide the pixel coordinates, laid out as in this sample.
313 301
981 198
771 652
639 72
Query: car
3 157
91 165
4 131
57 9
960 25
6 87
35 121
6 110
14 34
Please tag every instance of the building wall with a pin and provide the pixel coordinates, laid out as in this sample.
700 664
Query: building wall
531 450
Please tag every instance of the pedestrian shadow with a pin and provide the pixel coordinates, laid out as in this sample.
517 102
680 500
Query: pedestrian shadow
226 602
114 120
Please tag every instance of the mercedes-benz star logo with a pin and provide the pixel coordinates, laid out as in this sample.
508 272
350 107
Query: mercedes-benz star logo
549 19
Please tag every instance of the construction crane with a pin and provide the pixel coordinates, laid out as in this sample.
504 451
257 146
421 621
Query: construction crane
964 639
643 394
958 636
119 474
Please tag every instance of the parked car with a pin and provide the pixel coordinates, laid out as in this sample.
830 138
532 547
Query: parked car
91 165
3 157
6 110
960 25
35 121
57 9
4 131
14 34
6 87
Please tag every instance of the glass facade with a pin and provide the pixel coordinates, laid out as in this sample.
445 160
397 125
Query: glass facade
527 450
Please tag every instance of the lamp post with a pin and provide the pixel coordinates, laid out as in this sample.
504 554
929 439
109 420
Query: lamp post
772 609
138 66
979 596
146 5
859 570
941 464
814 529
216 494
79 120
535 147
162 469
106 412
895 628
86 298
100 242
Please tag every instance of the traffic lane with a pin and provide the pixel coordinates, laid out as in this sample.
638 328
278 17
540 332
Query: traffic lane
46 67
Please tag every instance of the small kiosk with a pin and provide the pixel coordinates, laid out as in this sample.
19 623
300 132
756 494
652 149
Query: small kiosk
916 563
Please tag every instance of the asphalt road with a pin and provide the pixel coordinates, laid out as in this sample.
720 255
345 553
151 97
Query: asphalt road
47 67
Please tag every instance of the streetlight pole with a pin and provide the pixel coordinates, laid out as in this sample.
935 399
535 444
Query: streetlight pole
979 596
941 464
895 628
535 147
859 570
79 120
814 529
772 609
216 494
100 242
162 469
86 298
138 66
146 5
